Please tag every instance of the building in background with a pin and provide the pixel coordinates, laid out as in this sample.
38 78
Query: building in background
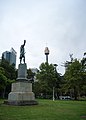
34 70
10 56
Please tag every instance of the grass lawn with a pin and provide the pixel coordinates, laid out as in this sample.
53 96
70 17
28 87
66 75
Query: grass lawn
46 110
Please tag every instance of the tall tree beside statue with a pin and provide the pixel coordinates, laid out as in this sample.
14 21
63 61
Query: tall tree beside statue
8 74
75 78
47 78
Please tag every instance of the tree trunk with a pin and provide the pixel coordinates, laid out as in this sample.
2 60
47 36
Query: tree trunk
75 94
3 94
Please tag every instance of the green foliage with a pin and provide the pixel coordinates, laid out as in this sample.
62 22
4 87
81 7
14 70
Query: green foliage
30 74
75 76
47 78
47 73
7 76
83 61
3 80
10 71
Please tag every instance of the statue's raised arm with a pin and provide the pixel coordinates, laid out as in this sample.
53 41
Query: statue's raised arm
22 52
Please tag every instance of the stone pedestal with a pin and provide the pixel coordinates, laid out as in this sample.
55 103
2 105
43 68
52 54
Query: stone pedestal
21 91
21 94
22 72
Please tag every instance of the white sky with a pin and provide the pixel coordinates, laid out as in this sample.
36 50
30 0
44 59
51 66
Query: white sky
59 23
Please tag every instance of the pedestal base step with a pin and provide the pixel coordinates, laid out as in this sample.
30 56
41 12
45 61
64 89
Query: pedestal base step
21 103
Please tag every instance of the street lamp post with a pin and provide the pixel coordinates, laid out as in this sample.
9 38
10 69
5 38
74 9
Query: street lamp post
55 65
53 94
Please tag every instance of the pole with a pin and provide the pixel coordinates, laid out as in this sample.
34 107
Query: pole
47 58
53 94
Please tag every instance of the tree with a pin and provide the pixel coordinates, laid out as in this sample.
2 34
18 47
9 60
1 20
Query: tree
47 78
74 78
83 62
30 75
3 82
10 73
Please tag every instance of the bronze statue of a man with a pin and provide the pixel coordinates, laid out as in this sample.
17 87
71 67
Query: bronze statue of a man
22 52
